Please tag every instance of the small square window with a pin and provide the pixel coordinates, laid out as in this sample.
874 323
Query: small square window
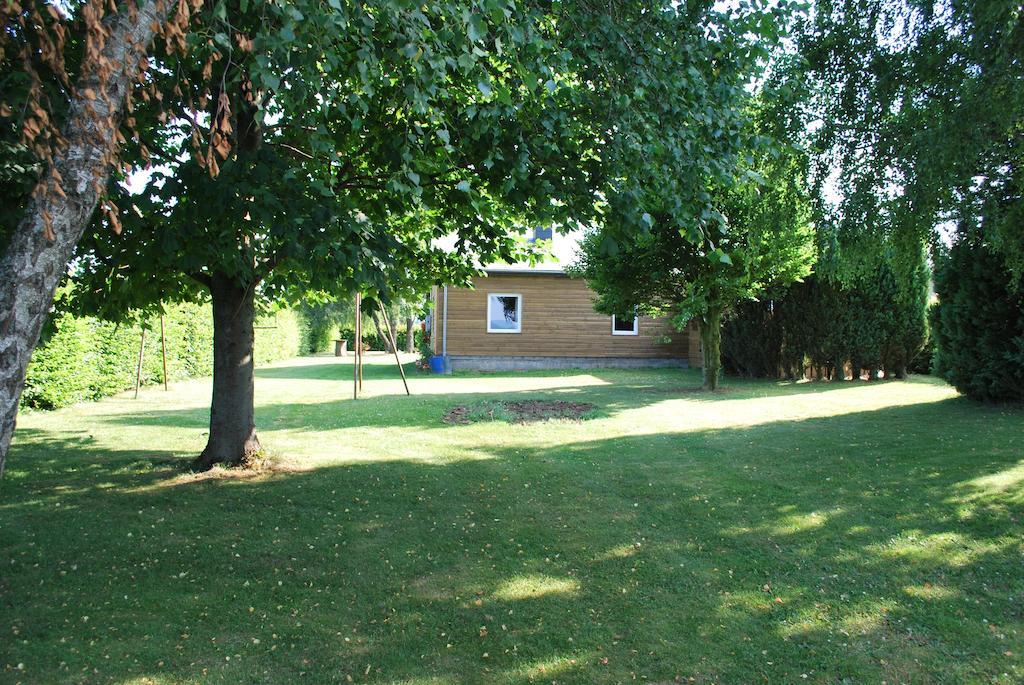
625 326
504 313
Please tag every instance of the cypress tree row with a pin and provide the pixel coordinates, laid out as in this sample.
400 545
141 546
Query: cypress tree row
876 322
914 116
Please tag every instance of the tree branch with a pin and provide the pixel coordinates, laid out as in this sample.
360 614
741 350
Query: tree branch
296 152
200 278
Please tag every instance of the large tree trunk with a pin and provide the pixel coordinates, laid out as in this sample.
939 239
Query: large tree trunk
232 416
34 262
410 334
711 347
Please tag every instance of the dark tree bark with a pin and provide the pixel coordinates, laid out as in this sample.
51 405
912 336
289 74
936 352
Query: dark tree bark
232 438
711 347
410 335
33 263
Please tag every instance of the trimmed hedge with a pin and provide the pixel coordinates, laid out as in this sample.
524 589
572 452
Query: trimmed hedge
86 358
278 336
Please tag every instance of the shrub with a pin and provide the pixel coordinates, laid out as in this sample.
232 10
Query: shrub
323 322
320 328
417 338
320 323
426 351
371 341
979 324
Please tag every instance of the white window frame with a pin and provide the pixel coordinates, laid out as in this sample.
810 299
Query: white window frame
519 313
636 327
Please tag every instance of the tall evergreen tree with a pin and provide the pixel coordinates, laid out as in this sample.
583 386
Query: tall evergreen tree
757 235
979 323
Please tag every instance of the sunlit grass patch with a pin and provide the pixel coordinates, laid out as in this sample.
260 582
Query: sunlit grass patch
150 680
949 549
618 552
790 523
1008 481
930 592
545 670
535 585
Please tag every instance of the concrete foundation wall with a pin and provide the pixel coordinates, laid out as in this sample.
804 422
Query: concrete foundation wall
496 363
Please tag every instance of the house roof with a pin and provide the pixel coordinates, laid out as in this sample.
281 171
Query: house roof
543 268
564 249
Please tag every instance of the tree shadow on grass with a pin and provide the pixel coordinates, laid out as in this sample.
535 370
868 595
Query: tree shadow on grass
866 546
73 464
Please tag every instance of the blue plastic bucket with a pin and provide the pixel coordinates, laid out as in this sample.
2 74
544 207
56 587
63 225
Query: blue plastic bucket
437 364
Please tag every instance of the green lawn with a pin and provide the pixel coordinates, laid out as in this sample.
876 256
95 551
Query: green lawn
776 533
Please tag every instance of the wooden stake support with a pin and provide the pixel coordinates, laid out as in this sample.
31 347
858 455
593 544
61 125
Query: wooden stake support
394 347
163 349
359 342
355 352
138 366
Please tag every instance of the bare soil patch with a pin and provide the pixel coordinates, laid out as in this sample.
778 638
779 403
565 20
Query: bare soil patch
520 411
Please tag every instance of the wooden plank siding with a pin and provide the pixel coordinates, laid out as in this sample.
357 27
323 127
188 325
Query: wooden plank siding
558 320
